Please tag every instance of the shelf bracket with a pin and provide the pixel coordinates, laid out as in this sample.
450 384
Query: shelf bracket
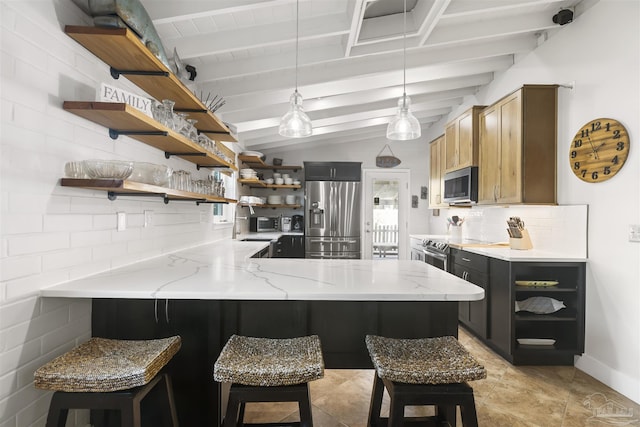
210 166
190 110
113 195
198 202
215 132
114 133
117 73
168 154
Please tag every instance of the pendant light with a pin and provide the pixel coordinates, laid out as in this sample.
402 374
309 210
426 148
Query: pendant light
404 126
295 123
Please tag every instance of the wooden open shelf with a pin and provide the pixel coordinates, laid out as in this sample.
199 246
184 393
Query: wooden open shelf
121 187
265 206
261 184
121 49
257 163
120 117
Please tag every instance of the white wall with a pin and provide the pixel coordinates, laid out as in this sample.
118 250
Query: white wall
51 234
600 52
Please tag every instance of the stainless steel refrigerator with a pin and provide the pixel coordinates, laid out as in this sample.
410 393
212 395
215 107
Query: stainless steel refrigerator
332 219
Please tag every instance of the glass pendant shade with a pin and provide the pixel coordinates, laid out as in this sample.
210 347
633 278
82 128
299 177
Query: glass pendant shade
403 126
295 123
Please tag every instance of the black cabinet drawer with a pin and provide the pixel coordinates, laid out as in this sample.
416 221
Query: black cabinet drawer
470 260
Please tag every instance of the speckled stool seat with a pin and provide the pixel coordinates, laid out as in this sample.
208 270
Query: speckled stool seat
105 374
269 370
424 371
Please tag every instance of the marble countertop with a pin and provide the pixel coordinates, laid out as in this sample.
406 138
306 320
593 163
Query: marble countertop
225 270
514 255
503 252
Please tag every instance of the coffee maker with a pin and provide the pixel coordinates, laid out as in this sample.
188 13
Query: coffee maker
285 224
297 223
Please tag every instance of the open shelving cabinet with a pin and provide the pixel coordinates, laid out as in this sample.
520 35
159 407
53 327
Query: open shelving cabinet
121 49
565 326
256 162
126 55
123 119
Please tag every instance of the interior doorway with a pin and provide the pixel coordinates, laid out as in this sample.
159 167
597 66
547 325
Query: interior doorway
386 214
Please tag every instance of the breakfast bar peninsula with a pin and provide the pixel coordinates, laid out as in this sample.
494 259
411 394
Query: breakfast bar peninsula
208 293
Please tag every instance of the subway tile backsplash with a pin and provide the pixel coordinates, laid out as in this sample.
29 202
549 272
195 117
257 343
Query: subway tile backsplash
561 229
52 234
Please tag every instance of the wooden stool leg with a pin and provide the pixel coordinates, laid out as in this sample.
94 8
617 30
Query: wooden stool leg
396 411
231 416
468 412
57 416
172 404
243 407
304 407
376 401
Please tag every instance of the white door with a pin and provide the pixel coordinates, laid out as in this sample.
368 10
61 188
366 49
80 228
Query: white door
385 214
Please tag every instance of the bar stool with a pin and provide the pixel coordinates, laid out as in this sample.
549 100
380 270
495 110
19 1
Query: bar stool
269 370
424 371
105 374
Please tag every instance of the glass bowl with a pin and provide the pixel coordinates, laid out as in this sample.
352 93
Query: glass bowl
149 173
103 169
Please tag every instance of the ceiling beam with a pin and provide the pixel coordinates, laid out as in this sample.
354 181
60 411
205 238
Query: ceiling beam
261 95
260 36
251 118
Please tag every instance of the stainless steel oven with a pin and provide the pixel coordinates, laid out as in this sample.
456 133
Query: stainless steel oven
436 253
431 251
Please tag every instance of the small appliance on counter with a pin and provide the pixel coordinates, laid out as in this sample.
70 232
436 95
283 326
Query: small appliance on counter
285 224
263 223
297 223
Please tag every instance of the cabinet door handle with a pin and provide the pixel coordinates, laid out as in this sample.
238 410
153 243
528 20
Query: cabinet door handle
166 310
466 259
155 309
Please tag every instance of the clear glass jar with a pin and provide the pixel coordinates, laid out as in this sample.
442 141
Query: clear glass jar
193 130
169 120
181 124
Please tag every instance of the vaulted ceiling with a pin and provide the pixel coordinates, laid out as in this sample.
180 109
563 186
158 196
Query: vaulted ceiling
350 57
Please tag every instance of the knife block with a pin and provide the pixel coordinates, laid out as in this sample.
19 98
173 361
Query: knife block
522 243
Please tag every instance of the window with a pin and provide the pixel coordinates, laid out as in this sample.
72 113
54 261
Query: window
223 213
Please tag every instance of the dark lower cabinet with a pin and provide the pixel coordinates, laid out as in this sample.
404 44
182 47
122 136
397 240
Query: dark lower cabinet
501 308
473 268
206 325
495 321
289 246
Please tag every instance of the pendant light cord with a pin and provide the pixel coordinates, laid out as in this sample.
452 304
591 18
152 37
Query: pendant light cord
404 56
297 24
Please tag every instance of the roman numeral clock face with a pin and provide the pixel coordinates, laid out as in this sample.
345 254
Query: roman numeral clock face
599 150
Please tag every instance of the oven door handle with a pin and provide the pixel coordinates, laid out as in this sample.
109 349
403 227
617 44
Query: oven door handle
436 255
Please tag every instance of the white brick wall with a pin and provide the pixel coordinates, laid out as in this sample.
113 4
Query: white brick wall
51 234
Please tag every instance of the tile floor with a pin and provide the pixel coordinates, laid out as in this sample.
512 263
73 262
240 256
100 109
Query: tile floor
510 396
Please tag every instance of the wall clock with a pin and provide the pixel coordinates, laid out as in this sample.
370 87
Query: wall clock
599 150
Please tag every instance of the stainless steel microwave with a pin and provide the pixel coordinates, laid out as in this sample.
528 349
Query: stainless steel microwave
461 186
263 223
